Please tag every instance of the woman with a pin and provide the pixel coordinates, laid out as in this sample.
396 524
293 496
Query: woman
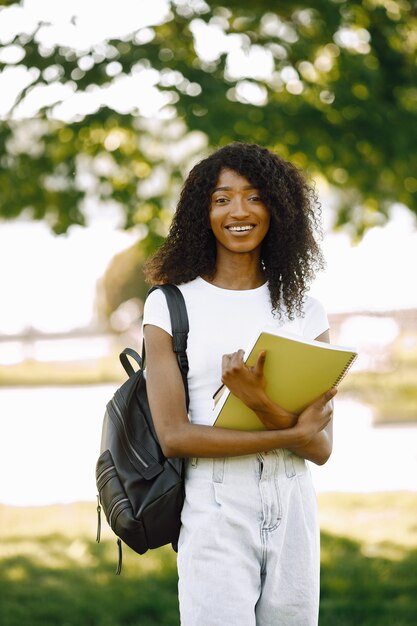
242 249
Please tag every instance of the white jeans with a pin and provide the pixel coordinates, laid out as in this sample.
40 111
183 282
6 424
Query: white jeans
249 551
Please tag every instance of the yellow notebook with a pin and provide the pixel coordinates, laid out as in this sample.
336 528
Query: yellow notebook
297 371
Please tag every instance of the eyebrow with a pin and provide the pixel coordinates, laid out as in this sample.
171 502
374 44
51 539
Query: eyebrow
246 188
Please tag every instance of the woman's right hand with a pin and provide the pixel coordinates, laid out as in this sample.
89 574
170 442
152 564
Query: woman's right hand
315 417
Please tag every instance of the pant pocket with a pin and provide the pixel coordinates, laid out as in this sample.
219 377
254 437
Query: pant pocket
294 464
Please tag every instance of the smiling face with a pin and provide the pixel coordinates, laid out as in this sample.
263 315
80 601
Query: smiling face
238 217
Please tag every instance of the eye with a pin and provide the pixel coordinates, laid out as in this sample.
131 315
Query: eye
255 198
221 200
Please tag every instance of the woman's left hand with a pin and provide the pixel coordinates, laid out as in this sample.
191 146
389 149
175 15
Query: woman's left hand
249 385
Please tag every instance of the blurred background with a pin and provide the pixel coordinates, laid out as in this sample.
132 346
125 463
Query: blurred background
104 108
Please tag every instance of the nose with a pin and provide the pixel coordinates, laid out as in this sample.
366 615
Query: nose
239 208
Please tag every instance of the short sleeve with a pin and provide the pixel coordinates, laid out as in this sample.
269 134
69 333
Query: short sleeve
315 321
156 311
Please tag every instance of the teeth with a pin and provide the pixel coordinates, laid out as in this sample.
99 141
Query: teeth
240 228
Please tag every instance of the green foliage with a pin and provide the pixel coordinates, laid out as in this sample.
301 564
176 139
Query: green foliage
53 573
340 100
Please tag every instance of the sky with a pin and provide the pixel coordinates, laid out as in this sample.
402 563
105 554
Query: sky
375 274
49 282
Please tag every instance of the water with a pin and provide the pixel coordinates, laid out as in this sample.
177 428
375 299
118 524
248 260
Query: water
367 458
50 439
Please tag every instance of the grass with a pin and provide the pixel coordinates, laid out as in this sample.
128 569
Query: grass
54 574
31 373
369 559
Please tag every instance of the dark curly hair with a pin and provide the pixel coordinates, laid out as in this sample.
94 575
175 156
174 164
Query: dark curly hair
290 252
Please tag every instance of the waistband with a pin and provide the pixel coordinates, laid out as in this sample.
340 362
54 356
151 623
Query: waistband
280 462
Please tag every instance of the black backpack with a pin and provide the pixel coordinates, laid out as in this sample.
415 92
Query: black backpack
139 489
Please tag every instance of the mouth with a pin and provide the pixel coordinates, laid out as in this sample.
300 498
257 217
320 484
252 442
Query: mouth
240 228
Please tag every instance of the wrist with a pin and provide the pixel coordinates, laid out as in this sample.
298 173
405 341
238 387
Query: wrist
261 403
301 436
284 438
271 413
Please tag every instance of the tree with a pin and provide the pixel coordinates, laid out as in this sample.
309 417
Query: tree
334 92
122 281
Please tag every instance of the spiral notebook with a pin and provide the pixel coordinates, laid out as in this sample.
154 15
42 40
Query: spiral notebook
297 371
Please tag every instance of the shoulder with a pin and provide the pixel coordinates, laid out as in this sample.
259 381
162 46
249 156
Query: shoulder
312 307
156 310
315 321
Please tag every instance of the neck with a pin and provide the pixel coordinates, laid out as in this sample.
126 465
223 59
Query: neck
239 272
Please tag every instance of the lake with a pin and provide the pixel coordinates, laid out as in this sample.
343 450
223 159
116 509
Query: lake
50 439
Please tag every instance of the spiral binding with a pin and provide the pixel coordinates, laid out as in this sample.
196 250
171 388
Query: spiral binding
345 371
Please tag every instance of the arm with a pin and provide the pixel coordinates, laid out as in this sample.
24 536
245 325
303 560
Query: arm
249 385
179 438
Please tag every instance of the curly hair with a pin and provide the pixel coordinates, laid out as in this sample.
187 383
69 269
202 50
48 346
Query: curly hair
290 252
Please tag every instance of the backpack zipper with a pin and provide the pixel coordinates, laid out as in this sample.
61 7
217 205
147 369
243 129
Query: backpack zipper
119 416
119 564
117 506
100 486
103 473
98 536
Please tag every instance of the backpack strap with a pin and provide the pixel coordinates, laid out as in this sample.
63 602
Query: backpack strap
126 363
180 328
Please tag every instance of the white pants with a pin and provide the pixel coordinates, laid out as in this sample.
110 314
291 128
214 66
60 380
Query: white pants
249 552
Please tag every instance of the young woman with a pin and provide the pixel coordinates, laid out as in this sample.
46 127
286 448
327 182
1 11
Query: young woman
242 249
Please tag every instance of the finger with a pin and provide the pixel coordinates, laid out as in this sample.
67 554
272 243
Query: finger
260 362
226 359
232 362
330 394
236 359
231 355
326 397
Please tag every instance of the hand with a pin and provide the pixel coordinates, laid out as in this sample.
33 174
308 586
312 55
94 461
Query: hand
247 383
315 417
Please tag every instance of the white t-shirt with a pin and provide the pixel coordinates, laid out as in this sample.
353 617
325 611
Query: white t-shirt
223 321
